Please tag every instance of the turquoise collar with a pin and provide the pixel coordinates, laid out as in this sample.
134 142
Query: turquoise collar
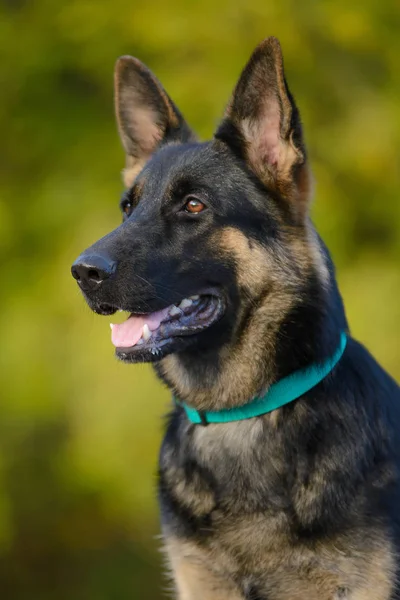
280 393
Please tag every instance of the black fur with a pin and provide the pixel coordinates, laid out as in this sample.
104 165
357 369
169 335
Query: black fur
269 507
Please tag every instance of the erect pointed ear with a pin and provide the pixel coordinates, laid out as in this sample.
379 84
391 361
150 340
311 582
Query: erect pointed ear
146 116
262 125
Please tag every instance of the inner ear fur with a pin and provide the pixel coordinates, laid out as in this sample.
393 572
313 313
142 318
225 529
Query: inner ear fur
262 123
146 116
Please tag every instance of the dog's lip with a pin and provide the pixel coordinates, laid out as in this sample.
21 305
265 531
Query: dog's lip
104 309
155 334
108 309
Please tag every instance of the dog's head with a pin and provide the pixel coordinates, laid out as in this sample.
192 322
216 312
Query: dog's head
215 253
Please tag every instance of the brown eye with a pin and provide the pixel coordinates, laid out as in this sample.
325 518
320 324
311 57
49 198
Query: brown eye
127 208
194 205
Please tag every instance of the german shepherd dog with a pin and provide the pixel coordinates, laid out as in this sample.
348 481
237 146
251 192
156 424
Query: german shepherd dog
229 290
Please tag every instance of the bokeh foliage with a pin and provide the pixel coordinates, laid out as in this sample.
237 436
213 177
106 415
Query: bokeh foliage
79 433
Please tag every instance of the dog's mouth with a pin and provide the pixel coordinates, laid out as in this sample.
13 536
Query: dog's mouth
149 337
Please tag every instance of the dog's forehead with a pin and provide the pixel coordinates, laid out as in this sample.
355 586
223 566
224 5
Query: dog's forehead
200 162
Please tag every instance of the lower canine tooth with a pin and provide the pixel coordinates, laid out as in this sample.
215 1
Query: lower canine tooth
186 303
146 333
196 297
174 310
111 325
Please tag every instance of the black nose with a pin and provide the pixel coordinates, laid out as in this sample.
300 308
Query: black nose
91 270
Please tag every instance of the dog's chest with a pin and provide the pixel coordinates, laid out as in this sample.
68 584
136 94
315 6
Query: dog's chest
226 503
223 471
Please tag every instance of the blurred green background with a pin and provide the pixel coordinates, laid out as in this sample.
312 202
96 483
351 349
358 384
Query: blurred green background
79 432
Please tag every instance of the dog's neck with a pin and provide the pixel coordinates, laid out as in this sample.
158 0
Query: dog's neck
267 350
265 354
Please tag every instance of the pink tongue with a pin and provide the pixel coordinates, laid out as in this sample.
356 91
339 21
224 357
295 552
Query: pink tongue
128 334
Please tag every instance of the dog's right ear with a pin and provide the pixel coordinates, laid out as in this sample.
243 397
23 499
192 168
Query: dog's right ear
146 116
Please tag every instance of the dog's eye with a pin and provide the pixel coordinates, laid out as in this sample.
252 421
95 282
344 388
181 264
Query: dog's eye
194 205
127 208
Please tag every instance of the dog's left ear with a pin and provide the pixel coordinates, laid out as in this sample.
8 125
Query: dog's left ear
146 116
262 125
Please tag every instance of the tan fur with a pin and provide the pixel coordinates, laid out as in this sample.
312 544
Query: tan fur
268 277
131 171
359 561
194 578
243 361
305 188
172 118
307 252
339 569
193 494
252 260
207 440
316 257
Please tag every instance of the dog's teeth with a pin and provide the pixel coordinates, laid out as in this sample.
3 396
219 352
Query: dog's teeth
186 303
174 310
146 333
196 297
111 325
120 310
